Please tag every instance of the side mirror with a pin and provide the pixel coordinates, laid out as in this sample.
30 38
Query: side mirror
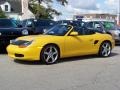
74 34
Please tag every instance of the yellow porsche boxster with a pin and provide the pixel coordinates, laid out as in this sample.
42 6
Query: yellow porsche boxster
61 41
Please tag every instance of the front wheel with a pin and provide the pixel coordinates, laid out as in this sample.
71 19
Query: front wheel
105 49
50 54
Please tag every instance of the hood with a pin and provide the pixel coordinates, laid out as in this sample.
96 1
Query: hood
41 29
41 40
39 37
11 31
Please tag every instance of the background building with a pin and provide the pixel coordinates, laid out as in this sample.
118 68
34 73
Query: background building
17 9
99 16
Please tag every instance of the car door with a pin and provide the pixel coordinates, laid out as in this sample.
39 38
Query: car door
82 44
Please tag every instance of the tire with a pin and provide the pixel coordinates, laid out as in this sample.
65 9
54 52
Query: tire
105 49
50 54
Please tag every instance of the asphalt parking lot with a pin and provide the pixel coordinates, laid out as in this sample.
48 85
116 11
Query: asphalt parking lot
80 73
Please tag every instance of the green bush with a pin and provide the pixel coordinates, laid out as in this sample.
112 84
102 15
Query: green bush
42 12
2 14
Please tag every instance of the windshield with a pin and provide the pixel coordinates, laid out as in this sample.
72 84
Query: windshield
17 22
44 23
7 23
109 25
70 22
59 30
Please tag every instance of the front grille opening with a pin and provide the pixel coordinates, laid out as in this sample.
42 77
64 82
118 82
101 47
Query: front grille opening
19 55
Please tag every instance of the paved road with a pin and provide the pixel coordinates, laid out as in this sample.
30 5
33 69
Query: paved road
82 73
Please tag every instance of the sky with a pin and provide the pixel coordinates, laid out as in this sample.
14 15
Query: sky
86 6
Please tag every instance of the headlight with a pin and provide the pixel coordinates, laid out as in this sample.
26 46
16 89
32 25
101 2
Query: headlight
25 44
0 33
13 41
21 43
25 32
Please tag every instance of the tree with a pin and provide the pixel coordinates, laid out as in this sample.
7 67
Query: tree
43 12
2 14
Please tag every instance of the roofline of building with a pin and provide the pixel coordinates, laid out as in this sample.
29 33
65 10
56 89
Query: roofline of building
96 14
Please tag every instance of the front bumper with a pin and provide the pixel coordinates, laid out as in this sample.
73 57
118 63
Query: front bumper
28 53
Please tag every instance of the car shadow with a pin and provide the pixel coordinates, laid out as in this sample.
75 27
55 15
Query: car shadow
64 59
117 45
3 52
3 49
113 54
28 62
84 58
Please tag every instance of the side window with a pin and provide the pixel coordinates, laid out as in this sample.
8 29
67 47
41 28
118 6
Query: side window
29 23
62 30
90 25
97 26
88 31
79 30
109 25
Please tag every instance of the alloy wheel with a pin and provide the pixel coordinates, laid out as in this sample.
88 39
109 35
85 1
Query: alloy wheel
50 54
105 49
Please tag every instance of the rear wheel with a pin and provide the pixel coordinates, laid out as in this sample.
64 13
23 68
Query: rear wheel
105 49
50 54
